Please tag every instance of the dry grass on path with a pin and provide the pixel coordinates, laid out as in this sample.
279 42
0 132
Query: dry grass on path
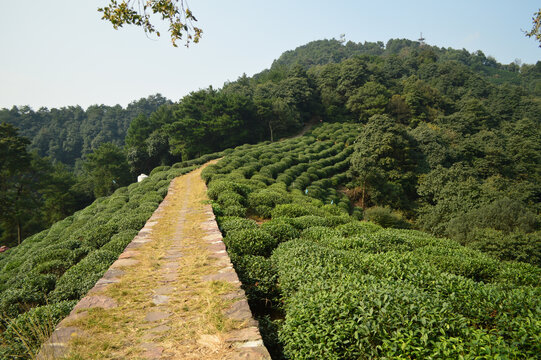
169 267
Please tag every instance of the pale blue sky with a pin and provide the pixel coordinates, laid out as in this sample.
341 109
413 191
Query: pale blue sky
58 52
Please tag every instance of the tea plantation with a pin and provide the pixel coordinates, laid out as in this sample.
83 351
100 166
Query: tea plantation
323 284
327 286
42 279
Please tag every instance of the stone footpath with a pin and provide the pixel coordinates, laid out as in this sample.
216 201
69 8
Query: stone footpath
159 320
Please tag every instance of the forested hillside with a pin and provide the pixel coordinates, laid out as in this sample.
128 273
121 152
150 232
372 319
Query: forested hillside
450 142
438 149
66 134
327 286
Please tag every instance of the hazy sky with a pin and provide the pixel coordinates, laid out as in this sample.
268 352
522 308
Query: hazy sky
58 52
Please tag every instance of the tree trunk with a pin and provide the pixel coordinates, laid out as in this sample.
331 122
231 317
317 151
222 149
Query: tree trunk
270 128
362 196
18 233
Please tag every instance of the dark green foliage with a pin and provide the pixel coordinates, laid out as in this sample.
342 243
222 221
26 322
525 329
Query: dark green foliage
80 278
281 231
385 217
384 163
119 241
258 277
106 169
234 210
353 289
448 138
325 288
228 224
67 133
514 246
263 201
250 242
294 210
357 228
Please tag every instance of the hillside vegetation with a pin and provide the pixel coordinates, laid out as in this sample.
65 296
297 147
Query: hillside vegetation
470 126
42 279
327 286
438 148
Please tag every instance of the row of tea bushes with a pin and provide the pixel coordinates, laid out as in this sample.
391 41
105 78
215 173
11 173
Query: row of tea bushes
49 271
253 179
398 294
352 290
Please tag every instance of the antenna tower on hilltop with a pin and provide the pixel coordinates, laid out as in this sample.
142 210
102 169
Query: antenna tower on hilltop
422 40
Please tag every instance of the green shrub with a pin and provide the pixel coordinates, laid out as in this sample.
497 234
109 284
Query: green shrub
250 242
158 169
100 235
80 278
460 261
258 277
30 291
267 197
208 172
318 233
519 274
216 187
307 221
230 198
357 228
280 230
235 210
234 223
514 246
385 217
267 180
133 220
366 318
119 241
294 210
56 267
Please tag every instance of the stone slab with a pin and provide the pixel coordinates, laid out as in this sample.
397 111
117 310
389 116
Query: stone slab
124 262
128 254
160 299
244 335
239 311
157 316
253 353
96 301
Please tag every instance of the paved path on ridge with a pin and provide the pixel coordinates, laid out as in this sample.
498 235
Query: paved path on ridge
172 294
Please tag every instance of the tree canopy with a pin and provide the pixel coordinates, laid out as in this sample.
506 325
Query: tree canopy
536 27
138 12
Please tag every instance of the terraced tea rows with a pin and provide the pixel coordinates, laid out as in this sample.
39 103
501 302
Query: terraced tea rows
328 286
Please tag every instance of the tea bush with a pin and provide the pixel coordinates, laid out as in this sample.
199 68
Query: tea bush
258 277
250 242
233 223
280 230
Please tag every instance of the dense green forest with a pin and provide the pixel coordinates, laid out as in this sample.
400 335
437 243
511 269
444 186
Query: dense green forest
404 135
54 162
469 125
